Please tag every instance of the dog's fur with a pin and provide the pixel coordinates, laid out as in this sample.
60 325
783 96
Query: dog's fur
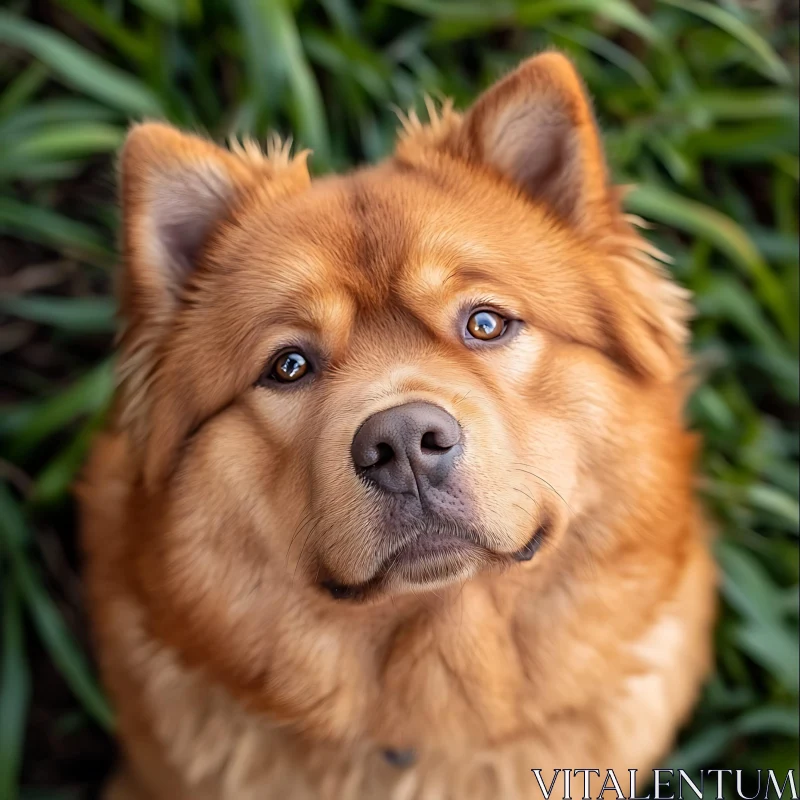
216 504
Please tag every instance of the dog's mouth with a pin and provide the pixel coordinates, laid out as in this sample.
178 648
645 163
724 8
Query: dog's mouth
431 560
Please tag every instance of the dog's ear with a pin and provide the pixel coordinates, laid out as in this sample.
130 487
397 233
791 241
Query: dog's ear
176 191
536 127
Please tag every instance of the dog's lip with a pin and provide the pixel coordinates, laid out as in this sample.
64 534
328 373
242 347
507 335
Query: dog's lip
430 546
428 558
416 561
433 559
532 546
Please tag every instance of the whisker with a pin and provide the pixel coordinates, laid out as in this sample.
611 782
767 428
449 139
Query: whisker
546 483
303 522
528 495
462 398
391 566
302 550
533 519
587 556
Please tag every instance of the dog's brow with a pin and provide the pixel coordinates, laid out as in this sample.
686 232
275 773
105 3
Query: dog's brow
331 310
457 263
469 274
442 246
457 276
325 312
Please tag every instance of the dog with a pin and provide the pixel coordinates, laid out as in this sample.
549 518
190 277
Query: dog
396 499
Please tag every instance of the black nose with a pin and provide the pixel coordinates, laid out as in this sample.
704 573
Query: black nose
407 448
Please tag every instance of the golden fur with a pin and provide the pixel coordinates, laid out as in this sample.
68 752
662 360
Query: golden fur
213 505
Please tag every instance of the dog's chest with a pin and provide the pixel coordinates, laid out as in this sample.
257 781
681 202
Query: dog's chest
439 710
458 677
447 697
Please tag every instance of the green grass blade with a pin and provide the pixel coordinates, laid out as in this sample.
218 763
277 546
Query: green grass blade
51 229
624 14
611 52
22 88
52 112
770 61
703 748
735 104
52 630
747 586
662 205
124 40
475 16
169 11
55 479
501 12
728 299
274 31
750 142
775 648
87 394
70 140
342 14
764 633
79 68
14 692
778 504
348 58
71 314
769 720
265 67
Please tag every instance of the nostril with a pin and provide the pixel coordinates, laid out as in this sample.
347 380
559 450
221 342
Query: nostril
385 454
431 443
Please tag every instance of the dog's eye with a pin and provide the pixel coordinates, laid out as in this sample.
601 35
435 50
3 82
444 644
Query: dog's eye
289 367
485 325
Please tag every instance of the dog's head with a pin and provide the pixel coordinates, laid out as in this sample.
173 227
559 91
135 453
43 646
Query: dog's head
396 379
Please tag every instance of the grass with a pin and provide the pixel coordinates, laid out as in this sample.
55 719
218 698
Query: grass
698 101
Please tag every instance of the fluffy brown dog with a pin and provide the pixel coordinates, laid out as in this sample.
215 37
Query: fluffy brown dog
397 498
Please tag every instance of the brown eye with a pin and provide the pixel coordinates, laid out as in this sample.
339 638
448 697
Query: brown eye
485 325
289 367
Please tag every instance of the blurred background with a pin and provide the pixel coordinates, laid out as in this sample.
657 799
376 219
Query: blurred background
698 103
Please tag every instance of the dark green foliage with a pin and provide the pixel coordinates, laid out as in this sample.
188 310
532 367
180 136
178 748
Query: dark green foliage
698 102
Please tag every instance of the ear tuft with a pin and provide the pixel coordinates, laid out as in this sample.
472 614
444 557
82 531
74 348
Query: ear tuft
443 123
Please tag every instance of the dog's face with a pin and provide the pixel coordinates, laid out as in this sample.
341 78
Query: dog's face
383 383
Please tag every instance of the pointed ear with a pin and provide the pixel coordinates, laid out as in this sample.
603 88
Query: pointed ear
176 189
536 127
